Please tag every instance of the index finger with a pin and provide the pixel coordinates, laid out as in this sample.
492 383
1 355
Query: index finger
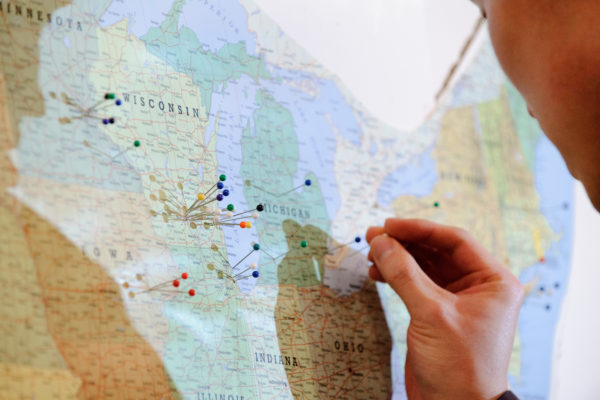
373 232
455 242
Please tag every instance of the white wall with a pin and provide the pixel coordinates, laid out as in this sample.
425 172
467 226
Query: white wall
404 49
577 347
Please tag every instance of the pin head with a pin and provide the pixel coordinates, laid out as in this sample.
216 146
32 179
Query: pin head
255 274
308 182
222 177
226 192
436 204
176 283
109 96
230 207
248 224
220 185
136 143
184 275
105 121
192 292
303 244
111 120
256 246
219 197
118 102
357 239
242 224
260 208
201 196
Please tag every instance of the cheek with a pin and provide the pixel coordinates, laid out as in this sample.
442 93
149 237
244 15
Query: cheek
511 37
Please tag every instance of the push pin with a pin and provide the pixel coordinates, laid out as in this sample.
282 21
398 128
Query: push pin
89 112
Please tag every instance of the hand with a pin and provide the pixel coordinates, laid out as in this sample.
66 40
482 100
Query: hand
463 306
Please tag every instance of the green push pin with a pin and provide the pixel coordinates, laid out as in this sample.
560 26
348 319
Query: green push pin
304 244
230 207
222 178
436 204
137 143
109 96
256 247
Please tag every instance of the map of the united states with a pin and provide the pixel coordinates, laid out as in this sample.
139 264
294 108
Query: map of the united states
114 119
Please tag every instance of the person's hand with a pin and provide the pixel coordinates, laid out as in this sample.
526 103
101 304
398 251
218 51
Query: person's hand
463 306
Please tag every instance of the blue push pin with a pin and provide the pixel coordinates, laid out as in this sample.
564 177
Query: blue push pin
220 185
357 239
225 192
255 274
118 102
105 121
308 182
219 197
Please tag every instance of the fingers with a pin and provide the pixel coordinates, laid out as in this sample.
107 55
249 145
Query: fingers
374 231
399 269
375 274
467 253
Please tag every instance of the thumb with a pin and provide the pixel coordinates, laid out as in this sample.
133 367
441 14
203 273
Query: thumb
403 274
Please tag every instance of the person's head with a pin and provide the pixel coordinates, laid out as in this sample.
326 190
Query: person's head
550 49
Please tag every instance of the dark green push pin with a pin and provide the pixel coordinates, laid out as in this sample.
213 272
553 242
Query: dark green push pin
303 244
256 247
222 177
109 96
230 207
137 143
436 204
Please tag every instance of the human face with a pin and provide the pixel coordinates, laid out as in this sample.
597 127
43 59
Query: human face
551 52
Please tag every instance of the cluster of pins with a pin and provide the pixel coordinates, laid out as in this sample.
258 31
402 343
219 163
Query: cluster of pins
234 273
93 112
170 286
199 213
136 143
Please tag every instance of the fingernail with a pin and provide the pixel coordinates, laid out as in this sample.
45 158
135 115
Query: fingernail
381 247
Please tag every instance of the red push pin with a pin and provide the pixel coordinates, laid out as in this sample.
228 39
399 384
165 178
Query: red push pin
192 292
242 224
176 283
542 259
184 275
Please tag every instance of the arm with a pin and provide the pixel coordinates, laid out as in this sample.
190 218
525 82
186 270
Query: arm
463 306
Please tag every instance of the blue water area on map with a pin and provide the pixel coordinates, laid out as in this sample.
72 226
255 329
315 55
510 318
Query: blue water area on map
218 22
317 116
541 309
141 15
416 178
